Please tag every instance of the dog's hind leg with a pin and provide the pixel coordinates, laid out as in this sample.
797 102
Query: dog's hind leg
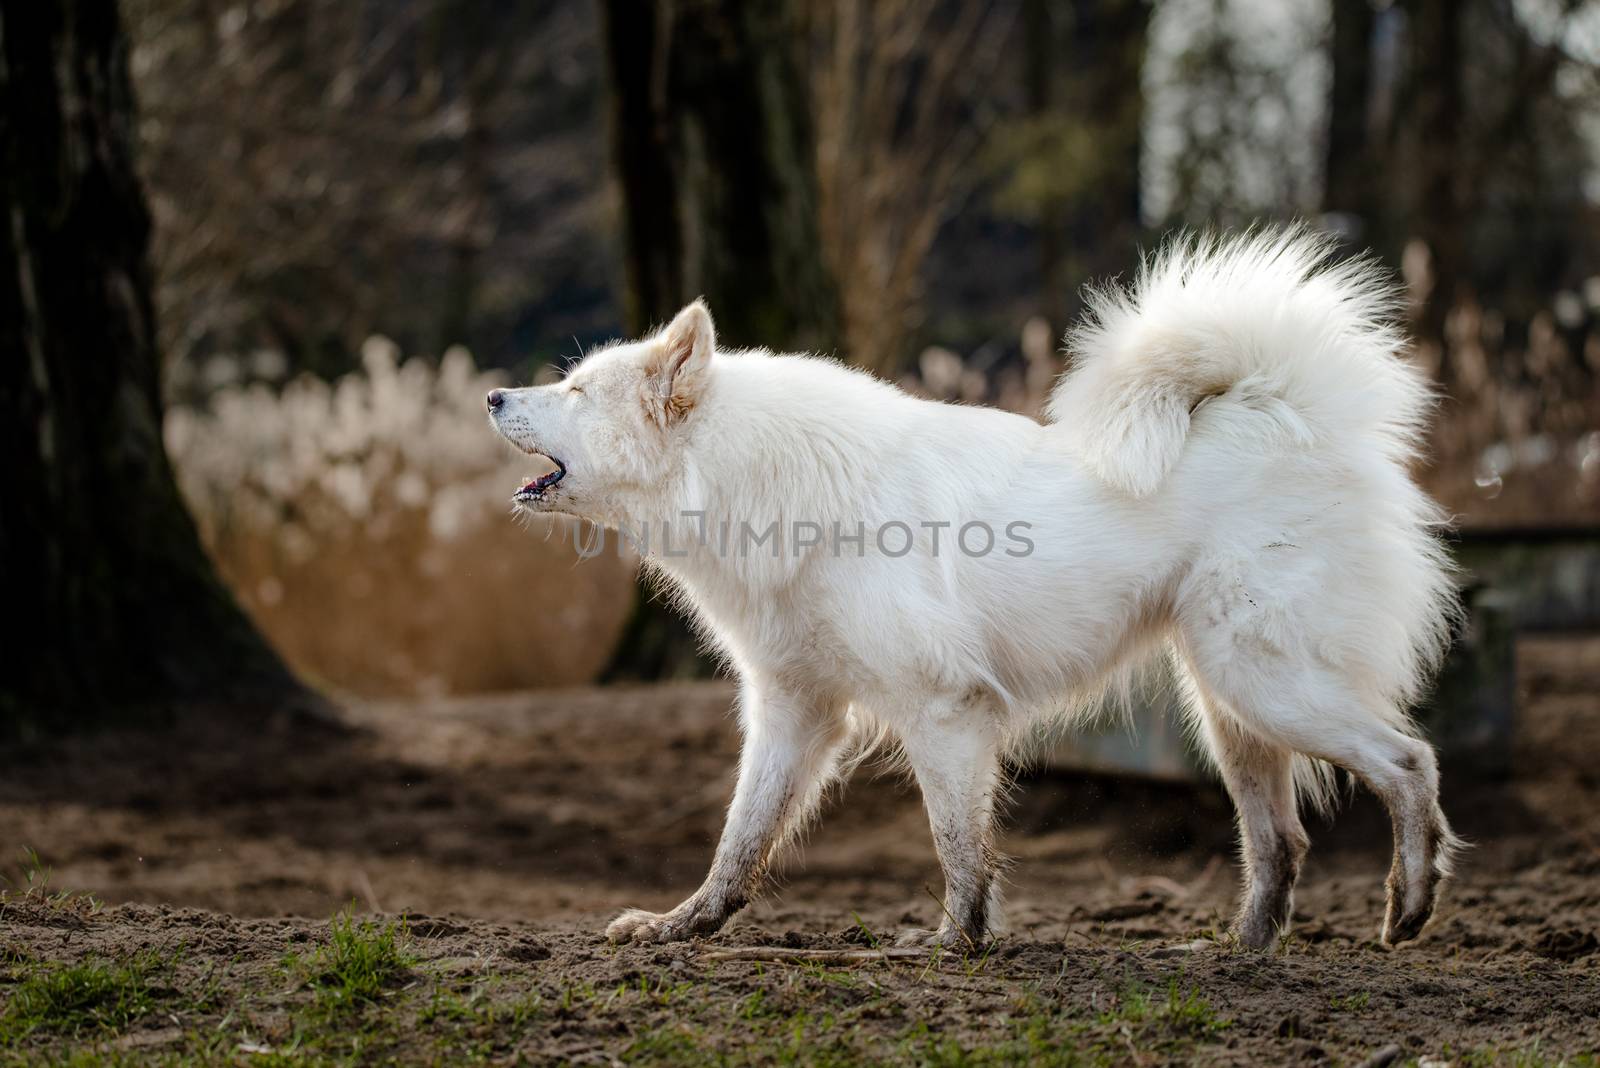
1424 845
1260 778
791 748
1312 709
954 749
1404 773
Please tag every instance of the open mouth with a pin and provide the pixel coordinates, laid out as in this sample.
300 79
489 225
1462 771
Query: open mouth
534 488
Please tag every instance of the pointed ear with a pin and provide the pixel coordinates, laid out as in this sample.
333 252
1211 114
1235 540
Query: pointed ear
677 367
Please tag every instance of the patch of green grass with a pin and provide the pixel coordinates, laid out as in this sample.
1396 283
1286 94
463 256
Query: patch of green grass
91 996
476 1007
360 961
1532 1056
1165 1025
576 996
657 992
754 1006
796 1038
471 1026
872 939
1350 1002
845 978
668 1046
1183 1013
1042 1039
17 957
1139 1024
33 890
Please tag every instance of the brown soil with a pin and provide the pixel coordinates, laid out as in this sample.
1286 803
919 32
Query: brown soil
508 829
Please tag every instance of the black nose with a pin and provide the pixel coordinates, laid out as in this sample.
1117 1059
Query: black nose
497 397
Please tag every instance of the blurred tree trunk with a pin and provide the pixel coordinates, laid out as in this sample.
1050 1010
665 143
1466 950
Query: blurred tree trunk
1439 112
713 145
1104 55
110 596
1075 162
714 153
1350 173
1040 58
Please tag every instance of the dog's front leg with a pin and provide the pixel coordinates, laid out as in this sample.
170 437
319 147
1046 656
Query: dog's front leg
954 748
791 746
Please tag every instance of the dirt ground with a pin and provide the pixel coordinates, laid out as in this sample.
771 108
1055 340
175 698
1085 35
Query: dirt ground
506 830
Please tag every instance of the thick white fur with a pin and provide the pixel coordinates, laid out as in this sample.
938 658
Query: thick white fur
1224 474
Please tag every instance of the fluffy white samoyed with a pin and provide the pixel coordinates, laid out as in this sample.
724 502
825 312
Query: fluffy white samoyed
1223 476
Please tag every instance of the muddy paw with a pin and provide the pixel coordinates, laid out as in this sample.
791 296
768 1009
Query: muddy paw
635 925
681 924
1405 927
1402 923
945 937
1256 932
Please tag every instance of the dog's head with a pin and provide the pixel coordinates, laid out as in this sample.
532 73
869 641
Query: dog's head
611 430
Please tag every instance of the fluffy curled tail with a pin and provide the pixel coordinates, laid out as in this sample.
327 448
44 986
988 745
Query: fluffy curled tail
1267 317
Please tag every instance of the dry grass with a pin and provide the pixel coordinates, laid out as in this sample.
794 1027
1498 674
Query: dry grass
1516 439
364 524
1518 434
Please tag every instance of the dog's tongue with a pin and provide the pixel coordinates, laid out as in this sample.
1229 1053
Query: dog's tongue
537 486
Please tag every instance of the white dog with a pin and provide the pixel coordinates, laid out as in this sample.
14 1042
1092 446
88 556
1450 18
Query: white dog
1223 475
